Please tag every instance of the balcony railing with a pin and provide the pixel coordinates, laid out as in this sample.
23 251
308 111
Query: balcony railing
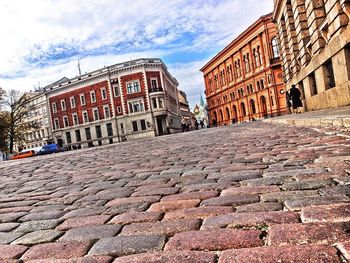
159 89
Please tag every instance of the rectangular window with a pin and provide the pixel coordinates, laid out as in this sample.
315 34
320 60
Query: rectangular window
329 74
98 131
54 107
134 126
122 128
312 83
154 102
119 109
103 94
133 87
88 133
116 90
106 112
160 102
96 115
143 125
65 121
63 105
154 84
56 124
75 119
85 117
68 137
136 106
109 129
77 135
72 102
82 100
92 96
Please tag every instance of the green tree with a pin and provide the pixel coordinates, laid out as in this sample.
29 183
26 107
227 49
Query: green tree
14 118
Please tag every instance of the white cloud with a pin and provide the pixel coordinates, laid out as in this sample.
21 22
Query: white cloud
42 39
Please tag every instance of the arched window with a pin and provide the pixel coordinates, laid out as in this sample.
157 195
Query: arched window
244 113
259 55
261 84
228 114
239 68
215 116
221 115
248 62
258 85
252 106
275 48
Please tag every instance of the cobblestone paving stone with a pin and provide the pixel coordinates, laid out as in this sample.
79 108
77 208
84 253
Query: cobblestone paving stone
253 192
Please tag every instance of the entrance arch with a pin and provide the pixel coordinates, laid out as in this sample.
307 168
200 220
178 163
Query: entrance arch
221 116
252 106
244 113
234 113
228 117
263 106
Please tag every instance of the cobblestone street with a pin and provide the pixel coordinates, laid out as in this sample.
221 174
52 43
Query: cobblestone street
254 192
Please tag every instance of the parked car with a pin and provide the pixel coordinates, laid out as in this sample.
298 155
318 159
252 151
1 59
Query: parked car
23 154
48 149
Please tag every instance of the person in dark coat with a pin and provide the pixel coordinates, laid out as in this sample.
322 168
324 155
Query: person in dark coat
295 95
288 101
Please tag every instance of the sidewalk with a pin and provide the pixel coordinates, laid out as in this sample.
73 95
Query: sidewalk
339 117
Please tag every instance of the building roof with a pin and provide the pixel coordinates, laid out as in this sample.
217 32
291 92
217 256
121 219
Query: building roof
236 40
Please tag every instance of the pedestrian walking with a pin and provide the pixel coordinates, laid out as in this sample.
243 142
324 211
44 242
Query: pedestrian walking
214 122
295 95
196 124
288 101
202 124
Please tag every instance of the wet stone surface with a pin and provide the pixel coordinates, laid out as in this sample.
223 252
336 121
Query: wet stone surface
254 190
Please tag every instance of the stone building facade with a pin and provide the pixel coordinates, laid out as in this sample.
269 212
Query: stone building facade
244 81
314 37
126 101
37 113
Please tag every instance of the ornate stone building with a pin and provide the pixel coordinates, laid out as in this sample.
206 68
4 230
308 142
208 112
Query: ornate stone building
126 101
314 37
244 81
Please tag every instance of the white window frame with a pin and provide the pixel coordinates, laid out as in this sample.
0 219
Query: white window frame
82 101
93 114
77 119
154 79
64 122
116 88
93 97
104 111
56 124
133 103
72 102
83 117
131 89
119 109
103 93
63 105
54 107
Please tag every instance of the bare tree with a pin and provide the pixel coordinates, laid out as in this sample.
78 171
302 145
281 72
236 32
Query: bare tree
14 118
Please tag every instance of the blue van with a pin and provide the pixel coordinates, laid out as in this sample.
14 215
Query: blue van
47 149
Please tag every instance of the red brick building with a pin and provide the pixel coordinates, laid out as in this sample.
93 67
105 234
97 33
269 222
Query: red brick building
126 101
244 81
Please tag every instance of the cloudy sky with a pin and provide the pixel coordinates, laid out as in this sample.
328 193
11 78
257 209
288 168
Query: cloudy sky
42 40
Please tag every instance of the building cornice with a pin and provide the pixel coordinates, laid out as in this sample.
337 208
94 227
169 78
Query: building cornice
237 40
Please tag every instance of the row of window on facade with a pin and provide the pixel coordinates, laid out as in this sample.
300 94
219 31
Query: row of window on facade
137 126
242 112
133 106
228 76
132 87
85 117
241 93
37 135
